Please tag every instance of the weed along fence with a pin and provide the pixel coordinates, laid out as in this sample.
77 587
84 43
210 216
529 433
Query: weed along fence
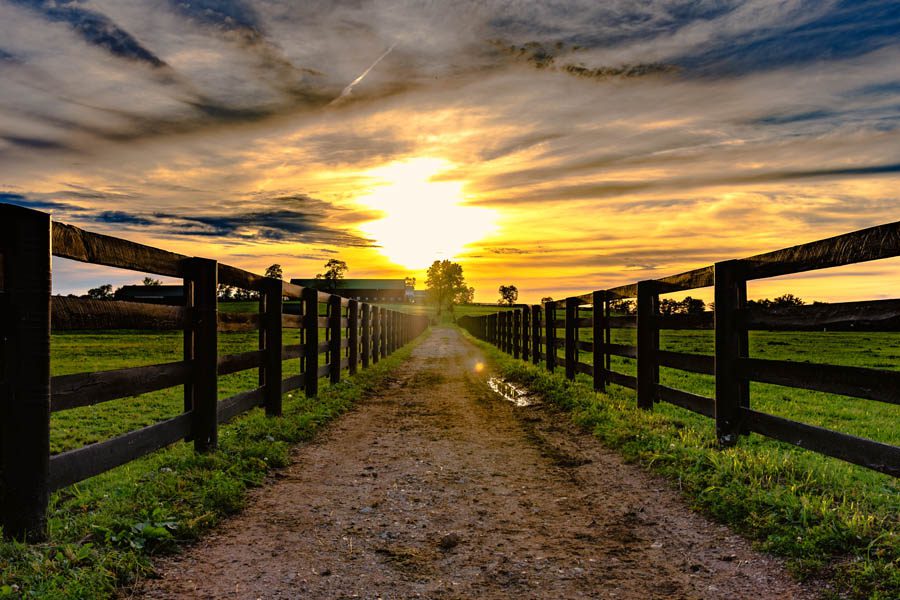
349 334
533 333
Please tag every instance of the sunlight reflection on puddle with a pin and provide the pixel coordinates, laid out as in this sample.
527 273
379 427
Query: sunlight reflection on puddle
516 395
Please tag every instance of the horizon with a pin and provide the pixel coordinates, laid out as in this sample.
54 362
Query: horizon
560 148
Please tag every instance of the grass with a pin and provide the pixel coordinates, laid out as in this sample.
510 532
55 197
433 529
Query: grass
104 531
830 519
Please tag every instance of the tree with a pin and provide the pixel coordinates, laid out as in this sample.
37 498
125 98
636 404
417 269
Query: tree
274 271
508 294
446 285
151 282
546 299
786 300
467 296
409 282
103 292
623 307
334 270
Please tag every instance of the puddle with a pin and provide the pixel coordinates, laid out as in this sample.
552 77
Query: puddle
516 395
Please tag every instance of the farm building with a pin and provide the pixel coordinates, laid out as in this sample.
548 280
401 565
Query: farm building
367 290
152 294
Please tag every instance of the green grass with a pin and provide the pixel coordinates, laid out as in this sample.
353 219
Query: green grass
830 519
104 531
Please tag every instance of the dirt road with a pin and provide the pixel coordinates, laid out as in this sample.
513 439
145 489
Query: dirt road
439 488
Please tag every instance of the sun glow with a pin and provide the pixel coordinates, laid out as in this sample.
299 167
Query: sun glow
424 220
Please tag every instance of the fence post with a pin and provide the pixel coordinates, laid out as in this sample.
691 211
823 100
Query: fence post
204 404
731 392
366 350
334 338
526 333
376 334
311 341
550 329
509 331
353 335
598 330
647 343
383 331
273 342
536 334
516 332
571 337
25 279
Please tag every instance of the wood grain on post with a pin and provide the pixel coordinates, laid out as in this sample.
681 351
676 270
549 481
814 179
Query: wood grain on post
516 336
273 307
353 335
384 331
731 392
571 337
647 343
25 280
376 334
204 273
550 336
311 341
365 350
526 333
598 331
334 341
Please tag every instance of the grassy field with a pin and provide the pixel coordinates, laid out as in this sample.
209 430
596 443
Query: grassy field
104 530
831 519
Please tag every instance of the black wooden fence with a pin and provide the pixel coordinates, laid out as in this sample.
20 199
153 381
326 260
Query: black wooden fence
355 335
731 364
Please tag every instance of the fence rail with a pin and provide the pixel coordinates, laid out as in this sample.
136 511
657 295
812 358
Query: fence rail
29 394
731 365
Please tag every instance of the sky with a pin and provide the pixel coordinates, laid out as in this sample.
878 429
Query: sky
558 146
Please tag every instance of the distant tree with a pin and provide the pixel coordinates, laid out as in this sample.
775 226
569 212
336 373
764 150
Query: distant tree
508 294
103 292
334 270
693 306
546 299
151 282
783 301
623 307
446 285
409 282
274 271
467 296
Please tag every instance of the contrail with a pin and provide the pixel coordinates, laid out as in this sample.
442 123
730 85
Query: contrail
353 83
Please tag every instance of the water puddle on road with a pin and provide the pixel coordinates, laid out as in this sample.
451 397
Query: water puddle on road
516 395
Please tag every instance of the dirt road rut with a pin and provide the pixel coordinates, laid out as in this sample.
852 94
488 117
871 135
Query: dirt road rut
439 488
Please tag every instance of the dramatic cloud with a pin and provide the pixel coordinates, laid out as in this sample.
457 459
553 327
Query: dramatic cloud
611 141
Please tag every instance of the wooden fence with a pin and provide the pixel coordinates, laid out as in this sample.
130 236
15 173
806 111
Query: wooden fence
355 335
531 332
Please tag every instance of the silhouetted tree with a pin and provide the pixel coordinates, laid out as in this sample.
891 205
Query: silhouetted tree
508 294
274 271
103 292
151 282
446 285
334 270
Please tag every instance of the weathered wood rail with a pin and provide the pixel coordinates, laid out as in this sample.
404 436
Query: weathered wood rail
28 394
731 365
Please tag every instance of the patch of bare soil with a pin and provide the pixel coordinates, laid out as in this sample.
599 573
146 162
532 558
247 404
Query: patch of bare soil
438 488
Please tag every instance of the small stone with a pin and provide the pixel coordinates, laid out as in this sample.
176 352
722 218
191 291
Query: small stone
325 572
449 541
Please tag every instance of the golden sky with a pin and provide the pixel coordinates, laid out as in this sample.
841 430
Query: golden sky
561 148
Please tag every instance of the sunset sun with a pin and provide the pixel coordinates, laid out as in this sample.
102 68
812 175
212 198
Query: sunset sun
423 219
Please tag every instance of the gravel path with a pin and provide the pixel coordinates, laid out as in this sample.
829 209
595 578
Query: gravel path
439 488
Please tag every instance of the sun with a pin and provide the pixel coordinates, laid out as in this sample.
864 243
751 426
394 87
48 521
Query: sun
424 219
